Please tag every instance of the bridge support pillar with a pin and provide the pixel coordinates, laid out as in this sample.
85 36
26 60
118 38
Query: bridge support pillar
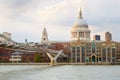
53 59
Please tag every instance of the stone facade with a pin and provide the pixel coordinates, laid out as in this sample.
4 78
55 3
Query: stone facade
85 50
95 52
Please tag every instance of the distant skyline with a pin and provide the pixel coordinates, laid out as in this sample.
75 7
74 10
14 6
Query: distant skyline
27 18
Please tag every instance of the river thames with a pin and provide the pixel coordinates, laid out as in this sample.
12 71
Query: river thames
63 72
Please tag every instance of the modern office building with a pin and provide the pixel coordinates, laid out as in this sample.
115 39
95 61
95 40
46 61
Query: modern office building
96 38
108 36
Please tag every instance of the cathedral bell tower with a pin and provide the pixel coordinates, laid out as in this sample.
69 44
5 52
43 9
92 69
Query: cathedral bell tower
44 38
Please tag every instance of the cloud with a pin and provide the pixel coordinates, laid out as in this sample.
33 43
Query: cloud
99 12
58 14
27 18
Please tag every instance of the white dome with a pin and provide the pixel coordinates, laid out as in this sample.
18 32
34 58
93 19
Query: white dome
80 29
80 23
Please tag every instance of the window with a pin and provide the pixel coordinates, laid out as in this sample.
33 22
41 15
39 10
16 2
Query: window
103 51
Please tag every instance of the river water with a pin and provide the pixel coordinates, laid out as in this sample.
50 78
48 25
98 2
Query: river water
64 72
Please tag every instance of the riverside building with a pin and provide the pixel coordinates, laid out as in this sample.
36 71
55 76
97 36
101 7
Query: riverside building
85 50
80 49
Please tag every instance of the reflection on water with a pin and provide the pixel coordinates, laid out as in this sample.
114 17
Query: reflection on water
65 72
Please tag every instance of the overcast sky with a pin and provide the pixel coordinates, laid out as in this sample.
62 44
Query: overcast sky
27 18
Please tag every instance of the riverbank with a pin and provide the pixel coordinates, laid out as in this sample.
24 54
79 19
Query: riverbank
24 63
60 64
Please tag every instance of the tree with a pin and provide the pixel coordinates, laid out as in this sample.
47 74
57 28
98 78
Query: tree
37 58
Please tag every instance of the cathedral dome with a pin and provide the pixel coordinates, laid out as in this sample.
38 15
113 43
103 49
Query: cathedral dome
80 23
80 29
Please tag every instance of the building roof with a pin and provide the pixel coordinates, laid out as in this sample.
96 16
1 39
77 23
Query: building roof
18 53
80 22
